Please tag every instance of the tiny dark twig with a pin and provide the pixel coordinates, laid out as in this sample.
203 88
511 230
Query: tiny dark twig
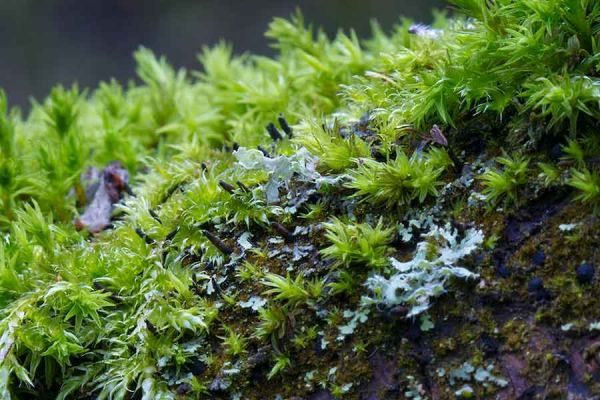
262 150
189 257
215 285
218 243
163 257
144 236
282 230
128 189
285 126
101 288
171 191
227 187
154 215
171 234
204 225
196 285
274 132
151 328
243 187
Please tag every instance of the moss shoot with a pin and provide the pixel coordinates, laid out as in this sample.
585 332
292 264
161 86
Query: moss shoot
412 215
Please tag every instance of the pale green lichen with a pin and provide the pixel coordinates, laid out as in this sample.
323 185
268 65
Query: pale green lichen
275 247
414 283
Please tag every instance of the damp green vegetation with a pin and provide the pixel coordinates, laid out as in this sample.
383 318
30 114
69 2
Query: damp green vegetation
409 215
505 183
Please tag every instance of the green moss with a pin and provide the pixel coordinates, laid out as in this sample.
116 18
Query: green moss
245 271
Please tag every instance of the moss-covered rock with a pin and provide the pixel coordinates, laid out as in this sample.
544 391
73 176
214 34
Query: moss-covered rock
401 217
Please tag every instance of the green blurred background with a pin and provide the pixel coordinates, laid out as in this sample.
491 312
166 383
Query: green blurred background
44 42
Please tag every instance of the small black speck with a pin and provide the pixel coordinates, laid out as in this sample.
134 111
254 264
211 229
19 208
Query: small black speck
227 187
535 285
218 243
210 266
108 227
398 311
154 215
489 345
539 258
171 234
503 271
414 332
243 187
151 328
282 230
319 351
285 126
584 273
144 236
265 152
128 189
274 132
197 367
184 388
536 288
556 152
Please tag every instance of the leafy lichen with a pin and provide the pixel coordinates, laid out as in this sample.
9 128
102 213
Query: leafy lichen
415 282
263 193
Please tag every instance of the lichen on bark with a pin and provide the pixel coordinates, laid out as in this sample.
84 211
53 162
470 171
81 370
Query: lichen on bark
413 215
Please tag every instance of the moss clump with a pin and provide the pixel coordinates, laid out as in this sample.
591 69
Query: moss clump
304 224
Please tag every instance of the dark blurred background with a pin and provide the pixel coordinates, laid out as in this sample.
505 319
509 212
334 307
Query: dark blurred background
44 42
